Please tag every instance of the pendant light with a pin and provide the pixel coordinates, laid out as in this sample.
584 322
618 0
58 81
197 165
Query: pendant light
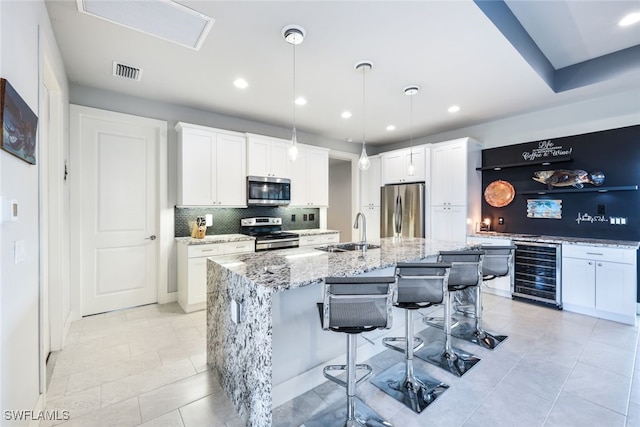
294 35
410 91
363 162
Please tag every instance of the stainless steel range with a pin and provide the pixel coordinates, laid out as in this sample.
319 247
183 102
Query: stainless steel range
268 233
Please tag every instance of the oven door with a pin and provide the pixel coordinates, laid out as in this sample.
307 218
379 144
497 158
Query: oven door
268 191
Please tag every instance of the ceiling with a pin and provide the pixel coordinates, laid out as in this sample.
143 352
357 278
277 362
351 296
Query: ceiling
493 59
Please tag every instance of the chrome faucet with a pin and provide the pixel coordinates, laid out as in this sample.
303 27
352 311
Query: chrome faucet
363 232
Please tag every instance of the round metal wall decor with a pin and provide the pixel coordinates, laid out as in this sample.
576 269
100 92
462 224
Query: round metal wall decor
499 193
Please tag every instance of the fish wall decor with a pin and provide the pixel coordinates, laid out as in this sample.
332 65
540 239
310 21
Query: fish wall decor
567 178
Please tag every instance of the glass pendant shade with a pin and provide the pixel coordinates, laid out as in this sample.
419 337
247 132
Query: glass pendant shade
363 162
293 150
410 91
412 169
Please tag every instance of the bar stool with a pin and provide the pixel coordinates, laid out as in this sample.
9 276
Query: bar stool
419 285
463 274
497 261
353 305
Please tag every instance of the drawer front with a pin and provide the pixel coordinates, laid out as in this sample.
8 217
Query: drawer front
331 238
310 240
624 256
196 251
239 247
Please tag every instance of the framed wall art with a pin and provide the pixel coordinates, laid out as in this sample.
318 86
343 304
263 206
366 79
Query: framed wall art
19 124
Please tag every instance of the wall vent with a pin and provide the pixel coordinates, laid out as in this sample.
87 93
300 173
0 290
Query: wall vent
127 71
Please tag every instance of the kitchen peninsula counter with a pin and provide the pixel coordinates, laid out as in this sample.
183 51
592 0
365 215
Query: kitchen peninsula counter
263 328
586 241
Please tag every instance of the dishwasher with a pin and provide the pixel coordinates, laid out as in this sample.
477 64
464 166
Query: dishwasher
537 275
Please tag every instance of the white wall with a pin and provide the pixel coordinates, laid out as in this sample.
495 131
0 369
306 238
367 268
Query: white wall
610 111
20 23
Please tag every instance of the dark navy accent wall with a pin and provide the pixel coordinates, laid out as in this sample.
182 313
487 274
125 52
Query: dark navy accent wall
615 152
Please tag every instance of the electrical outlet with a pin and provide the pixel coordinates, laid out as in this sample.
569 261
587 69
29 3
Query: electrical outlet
304 217
602 209
312 217
293 217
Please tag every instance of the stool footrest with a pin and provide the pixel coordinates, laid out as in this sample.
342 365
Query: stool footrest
343 368
399 343
438 322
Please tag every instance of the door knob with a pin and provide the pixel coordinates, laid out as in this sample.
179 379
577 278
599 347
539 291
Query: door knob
152 237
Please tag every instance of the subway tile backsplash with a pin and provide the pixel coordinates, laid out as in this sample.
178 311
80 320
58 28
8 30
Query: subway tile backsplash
227 220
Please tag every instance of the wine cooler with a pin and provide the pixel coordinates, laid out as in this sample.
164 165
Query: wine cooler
537 269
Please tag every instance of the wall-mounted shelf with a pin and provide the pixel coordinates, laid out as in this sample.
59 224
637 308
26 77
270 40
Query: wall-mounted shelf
582 190
543 162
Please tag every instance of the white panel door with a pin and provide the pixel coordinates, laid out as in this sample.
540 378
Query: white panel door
119 193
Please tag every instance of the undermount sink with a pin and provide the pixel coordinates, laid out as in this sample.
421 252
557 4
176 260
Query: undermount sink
347 247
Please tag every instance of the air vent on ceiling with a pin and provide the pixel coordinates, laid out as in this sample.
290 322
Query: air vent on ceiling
127 71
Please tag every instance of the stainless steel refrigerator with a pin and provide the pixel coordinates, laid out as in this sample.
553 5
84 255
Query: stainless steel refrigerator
402 210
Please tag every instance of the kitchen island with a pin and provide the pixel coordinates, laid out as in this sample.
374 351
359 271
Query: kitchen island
263 327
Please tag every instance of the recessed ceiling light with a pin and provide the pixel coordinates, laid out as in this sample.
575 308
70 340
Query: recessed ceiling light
241 83
300 101
345 114
391 127
630 19
453 109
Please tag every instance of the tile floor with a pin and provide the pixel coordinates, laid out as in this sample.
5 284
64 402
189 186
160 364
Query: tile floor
146 366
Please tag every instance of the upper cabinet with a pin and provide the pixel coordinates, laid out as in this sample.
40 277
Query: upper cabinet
455 188
268 156
370 182
211 165
310 177
395 165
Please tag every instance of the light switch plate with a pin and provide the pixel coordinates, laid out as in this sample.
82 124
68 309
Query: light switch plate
18 251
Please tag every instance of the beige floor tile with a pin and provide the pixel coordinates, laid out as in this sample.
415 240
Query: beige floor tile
608 357
90 360
599 386
572 411
77 404
210 411
170 419
173 396
143 382
123 414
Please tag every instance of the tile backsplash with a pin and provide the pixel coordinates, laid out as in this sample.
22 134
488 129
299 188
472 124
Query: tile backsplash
227 220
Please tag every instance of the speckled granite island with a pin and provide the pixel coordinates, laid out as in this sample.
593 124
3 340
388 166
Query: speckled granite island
278 342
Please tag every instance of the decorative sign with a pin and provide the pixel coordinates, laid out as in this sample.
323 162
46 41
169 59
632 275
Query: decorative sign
590 219
543 208
546 149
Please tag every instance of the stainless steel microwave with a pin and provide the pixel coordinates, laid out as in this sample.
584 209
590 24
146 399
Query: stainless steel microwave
268 191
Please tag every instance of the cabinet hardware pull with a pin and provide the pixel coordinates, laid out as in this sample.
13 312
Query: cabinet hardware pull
207 250
594 253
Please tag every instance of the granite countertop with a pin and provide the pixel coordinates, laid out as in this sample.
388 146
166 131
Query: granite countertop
313 231
292 268
624 244
218 238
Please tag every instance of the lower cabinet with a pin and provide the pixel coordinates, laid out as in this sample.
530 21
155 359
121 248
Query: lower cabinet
192 270
449 223
319 239
372 214
600 282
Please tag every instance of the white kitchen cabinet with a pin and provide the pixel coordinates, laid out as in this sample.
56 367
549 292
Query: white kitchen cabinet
395 165
319 239
600 281
310 177
192 270
268 156
372 214
370 182
211 167
456 188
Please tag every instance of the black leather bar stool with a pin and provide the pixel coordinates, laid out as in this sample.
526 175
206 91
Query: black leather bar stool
353 305
497 261
418 285
463 274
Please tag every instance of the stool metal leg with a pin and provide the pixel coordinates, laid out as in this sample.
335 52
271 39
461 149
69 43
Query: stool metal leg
411 386
455 360
356 413
477 334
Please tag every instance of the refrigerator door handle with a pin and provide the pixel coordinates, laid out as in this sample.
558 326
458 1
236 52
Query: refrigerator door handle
398 219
